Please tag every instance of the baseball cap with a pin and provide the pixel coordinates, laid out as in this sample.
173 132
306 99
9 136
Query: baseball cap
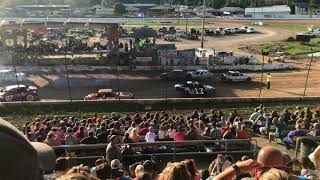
20 158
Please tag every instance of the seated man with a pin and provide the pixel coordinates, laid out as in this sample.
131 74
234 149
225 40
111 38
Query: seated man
280 126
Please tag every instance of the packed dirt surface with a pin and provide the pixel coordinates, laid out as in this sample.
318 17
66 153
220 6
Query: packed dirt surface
148 85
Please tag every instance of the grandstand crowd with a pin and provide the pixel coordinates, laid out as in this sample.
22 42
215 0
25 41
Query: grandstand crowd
118 131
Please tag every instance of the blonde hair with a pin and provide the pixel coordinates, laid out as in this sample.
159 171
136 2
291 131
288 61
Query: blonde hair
175 171
139 170
275 174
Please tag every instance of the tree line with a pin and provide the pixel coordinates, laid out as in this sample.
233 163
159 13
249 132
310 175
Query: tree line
211 3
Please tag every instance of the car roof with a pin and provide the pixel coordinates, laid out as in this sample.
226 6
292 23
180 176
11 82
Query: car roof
202 70
14 86
180 70
5 70
192 82
104 90
233 72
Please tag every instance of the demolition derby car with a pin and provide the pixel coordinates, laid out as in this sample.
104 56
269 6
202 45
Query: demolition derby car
235 76
195 88
107 94
19 93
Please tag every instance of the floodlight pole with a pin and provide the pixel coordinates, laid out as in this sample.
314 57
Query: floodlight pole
66 67
262 52
306 84
167 74
203 21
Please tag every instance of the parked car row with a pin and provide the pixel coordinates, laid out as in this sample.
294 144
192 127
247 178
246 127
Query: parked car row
228 31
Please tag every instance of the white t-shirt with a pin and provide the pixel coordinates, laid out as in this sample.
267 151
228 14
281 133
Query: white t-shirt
171 132
150 137
161 134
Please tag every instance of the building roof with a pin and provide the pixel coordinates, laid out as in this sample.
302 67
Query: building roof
161 8
44 6
231 9
268 9
140 5
130 8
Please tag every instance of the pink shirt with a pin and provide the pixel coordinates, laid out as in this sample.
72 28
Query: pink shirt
178 136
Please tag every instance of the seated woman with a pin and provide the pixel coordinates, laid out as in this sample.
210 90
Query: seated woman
231 133
293 135
134 136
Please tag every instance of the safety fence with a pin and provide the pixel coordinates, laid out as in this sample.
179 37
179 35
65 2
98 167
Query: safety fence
162 149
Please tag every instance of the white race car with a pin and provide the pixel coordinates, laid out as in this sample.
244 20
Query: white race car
199 74
235 76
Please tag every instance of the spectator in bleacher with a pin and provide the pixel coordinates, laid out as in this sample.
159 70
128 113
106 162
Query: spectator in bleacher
144 128
316 115
134 136
315 130
215 132
126 138
171 131
308 169
161 133
139 171
265 130
93 171
103 171
179 135
175 171
243 133
51 139
133 126
230 134
192 133
79 173
91 139
149 168
40 135
192 169
238 122
280 126
136 118
315 158
102 135
151 135
226 128
268 158
293 135
69 138
233 115
81 133
117 171
286 116
254 115
113 151
260 121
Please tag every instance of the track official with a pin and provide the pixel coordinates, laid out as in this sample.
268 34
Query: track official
268 81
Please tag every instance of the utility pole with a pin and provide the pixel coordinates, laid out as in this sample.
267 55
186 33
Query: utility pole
306 84
203 21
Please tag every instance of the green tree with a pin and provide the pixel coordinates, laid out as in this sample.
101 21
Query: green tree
119 9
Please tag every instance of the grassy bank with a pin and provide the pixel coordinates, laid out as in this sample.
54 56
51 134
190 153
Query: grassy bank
290 47
164 23
294 27
19 114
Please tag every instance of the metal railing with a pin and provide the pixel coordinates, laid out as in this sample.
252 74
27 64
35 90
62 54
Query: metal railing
176 148
300 141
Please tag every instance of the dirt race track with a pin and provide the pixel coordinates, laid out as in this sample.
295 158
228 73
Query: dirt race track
148 85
